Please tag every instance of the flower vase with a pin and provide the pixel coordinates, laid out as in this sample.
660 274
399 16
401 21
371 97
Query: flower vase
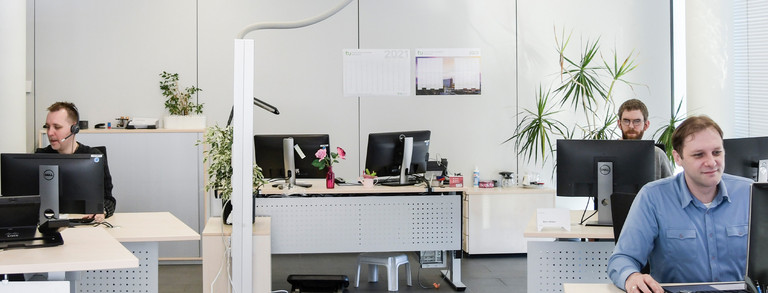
330 178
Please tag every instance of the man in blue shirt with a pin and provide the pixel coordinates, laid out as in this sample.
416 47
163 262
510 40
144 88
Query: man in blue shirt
691 227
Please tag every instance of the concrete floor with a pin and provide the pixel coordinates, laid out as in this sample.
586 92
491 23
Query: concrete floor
498 273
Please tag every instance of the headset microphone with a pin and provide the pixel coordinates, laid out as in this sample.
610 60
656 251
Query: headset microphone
74 129
68 136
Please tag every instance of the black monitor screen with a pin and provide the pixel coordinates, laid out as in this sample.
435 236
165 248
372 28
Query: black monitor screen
385 152
743 154
81 179
269 154
633 165
757 259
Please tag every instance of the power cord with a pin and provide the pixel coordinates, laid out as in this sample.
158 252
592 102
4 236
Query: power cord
435 285
585 212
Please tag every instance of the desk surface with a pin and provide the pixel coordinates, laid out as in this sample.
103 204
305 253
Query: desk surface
318 187
149 227
214 227
590 288
83 249
577 231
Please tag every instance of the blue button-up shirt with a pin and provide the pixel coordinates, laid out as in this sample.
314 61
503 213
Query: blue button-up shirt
683 239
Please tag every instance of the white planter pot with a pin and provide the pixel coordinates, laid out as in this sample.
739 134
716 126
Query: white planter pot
184 122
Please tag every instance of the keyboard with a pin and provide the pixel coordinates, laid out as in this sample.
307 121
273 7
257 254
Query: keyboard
81 221
713 291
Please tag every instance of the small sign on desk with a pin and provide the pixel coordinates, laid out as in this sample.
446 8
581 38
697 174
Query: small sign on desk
553 217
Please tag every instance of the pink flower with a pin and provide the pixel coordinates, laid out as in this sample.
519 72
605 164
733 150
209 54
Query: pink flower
342 153
320 154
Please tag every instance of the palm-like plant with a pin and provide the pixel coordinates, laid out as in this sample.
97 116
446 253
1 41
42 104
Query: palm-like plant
532 135
667 130
587 85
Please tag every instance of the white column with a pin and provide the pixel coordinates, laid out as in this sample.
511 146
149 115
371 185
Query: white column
13 59
709 54
242 168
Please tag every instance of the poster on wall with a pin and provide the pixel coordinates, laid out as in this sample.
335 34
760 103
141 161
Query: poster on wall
451 71
377 72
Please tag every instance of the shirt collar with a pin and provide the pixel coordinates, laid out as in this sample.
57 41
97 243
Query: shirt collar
686 197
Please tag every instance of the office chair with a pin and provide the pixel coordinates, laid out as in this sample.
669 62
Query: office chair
620 204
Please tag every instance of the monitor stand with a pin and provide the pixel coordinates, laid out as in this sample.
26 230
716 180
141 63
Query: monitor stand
604 191
49 192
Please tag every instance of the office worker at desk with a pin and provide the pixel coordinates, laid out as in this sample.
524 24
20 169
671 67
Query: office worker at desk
692 227
61 127
633 122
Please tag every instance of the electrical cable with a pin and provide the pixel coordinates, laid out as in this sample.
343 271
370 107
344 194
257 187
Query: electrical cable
585 212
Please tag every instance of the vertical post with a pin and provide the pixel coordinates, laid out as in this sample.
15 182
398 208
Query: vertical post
242 165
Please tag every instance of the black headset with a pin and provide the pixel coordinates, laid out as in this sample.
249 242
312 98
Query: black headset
75 128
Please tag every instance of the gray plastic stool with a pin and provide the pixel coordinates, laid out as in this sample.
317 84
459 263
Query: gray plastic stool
390 260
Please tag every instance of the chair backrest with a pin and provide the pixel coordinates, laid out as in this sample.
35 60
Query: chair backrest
620 204
102 149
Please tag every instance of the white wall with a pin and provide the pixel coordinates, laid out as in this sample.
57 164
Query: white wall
106 57
12 74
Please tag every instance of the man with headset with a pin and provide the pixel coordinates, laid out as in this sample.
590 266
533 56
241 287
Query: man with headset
62 126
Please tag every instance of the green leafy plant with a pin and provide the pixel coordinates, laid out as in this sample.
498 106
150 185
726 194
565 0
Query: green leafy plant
532 135
178 102
587 86
218 156
665 131
369 174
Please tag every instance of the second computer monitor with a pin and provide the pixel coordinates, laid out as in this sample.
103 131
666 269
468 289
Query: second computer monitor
598 168
269 154
747 157
386 152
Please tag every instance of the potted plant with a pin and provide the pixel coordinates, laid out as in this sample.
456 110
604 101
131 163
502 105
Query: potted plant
587 85
180 105
369 178
218 156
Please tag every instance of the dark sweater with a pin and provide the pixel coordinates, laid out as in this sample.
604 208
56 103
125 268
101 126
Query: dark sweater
109 200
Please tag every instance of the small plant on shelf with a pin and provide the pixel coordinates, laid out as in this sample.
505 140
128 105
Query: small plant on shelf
179 102
369 174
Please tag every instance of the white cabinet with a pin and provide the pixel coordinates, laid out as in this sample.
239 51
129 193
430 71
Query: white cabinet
495 218
155 171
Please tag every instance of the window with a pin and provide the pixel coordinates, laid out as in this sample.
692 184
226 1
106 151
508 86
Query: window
750 40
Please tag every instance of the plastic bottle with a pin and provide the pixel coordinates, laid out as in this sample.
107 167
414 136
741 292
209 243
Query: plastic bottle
476 177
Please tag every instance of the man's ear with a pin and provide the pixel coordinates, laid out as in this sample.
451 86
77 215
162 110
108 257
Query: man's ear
647 124
678 158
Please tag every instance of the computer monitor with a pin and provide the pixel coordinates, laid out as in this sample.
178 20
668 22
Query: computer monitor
598 168
398 154
747 157
70 184
757 260
274 161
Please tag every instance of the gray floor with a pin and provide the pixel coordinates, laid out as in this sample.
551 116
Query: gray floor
499 273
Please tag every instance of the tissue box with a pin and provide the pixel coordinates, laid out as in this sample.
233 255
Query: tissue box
456 181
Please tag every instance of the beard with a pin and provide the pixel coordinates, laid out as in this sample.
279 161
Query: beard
632 134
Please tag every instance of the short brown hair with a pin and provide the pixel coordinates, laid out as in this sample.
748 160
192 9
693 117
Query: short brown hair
690 126
632 105
69 107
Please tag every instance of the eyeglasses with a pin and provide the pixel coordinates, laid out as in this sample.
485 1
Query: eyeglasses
635 123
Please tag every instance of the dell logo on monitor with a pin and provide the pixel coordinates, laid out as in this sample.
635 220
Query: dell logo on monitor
48 175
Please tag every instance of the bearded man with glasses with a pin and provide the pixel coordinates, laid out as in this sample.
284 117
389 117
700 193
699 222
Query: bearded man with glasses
633 122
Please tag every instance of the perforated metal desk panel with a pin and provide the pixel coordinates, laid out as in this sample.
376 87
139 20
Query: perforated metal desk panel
363 223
